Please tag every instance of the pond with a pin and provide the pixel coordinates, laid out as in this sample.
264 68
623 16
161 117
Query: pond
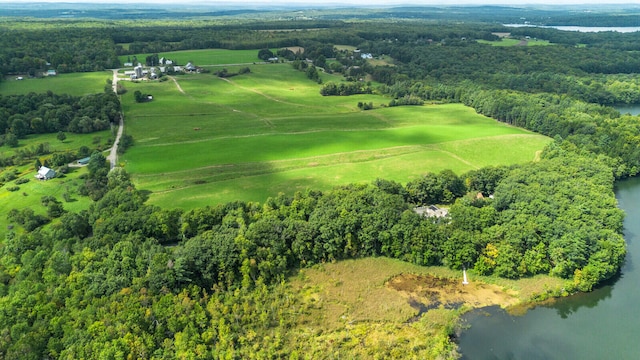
602 324
628 109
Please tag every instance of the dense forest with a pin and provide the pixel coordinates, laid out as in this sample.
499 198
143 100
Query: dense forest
124 279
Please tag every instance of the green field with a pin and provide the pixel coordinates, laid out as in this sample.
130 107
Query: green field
203 57
76 84
99 139
252 136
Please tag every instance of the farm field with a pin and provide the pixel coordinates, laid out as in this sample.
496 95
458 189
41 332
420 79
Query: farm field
206 140
514 42
77 84
203 57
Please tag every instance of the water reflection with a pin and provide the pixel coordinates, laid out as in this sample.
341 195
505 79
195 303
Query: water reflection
568 306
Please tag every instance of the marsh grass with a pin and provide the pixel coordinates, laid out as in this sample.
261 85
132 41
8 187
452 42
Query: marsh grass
350 304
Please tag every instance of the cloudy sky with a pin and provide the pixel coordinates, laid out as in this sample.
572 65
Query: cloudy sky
347 2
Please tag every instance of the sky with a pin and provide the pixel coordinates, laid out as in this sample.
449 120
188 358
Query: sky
347 2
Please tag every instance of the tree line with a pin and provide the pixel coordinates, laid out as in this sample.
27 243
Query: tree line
21 115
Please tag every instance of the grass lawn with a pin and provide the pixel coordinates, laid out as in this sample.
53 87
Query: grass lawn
77 84
252 136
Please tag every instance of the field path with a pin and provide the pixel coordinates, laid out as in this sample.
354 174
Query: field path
177 85
456 157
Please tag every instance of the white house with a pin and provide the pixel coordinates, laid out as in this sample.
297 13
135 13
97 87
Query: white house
431 211
44 173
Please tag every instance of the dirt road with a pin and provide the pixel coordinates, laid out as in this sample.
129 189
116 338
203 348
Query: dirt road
113 152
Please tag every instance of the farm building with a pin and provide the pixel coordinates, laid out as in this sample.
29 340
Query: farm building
84 161
44 173
431 211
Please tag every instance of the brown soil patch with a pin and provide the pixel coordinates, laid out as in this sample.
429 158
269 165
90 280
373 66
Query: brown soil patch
427 291
501 34
296 49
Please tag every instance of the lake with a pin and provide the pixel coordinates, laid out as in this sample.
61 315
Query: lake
603 324
628 109
625 29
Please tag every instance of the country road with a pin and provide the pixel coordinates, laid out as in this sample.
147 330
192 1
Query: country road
113 153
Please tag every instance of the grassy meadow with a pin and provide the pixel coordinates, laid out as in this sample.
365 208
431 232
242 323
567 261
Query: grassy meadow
77 84
29 194
203 57
252 136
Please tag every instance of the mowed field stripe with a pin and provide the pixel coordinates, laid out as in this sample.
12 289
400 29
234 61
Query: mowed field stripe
385 162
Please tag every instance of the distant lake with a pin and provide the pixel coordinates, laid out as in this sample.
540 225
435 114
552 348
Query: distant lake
628 109
621 29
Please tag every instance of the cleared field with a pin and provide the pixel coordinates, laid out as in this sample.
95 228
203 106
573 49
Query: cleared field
72 143
203 57
514 42
77 84
251 136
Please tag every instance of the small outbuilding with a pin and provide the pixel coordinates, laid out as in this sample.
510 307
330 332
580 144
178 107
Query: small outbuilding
44 173
84 161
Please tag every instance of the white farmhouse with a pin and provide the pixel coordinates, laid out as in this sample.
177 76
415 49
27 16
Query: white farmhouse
44 173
